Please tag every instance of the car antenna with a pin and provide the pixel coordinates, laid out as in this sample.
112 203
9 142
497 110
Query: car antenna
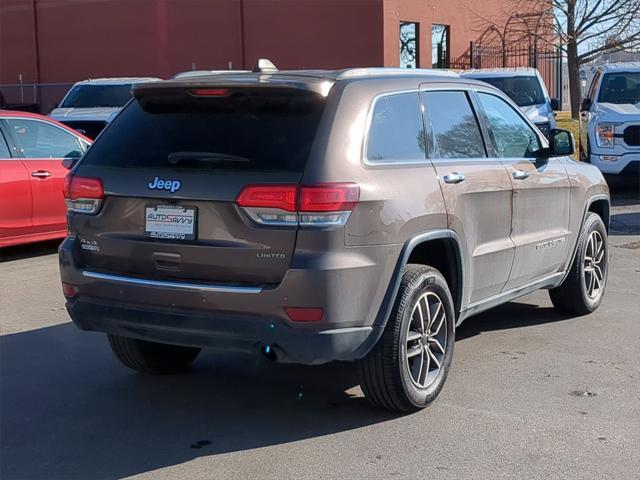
264 65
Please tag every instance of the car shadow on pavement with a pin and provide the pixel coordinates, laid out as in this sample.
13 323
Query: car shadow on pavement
625 224
69 410
508 316
29 250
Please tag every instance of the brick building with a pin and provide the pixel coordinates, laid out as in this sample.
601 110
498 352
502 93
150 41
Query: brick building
61 41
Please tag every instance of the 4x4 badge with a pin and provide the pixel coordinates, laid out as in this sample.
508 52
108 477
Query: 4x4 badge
160 184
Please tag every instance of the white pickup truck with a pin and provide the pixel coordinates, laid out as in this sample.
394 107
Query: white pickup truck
610 119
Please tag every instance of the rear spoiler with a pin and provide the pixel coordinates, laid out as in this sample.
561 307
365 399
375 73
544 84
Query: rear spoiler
244 82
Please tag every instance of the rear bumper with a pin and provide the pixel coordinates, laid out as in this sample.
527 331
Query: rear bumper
242 333
350 287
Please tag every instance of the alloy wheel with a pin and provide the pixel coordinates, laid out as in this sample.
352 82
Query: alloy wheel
594 265
425 340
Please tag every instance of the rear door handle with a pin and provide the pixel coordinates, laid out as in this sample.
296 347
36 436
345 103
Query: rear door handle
520 174
41 174
453 178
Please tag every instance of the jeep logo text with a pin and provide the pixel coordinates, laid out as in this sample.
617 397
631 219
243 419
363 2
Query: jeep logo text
169 185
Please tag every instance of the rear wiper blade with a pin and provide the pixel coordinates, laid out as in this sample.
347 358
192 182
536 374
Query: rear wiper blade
176 157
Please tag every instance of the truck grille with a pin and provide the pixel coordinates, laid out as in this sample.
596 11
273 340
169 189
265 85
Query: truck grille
631 135
89 128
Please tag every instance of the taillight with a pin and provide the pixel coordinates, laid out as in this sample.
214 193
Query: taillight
282 197
323 205
83 194
328 204
330 197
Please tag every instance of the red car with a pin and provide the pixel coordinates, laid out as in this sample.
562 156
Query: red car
36 153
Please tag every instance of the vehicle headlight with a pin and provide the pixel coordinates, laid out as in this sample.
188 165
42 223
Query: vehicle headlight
605 134
544 127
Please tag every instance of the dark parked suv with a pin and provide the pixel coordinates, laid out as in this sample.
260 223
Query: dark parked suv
314 216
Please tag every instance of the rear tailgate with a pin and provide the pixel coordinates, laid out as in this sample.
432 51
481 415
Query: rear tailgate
172 165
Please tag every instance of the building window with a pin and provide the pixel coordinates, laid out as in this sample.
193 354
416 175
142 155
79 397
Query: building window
440 46
409 41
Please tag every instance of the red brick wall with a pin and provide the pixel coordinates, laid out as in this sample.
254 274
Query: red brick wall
92 38
17 46
79 39
466 19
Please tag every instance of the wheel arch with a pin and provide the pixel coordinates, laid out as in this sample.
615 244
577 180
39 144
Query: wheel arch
599 204
440 249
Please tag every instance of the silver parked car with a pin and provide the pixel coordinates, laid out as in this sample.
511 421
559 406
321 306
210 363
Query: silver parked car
91 104
526 88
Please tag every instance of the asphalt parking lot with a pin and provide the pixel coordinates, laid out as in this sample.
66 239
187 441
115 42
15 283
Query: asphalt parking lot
532 394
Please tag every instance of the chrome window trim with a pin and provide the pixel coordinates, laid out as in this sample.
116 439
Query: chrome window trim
372 106
199 287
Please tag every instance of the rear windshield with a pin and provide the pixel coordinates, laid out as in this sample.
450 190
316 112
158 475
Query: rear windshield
266 132
525 91
89 96
620 88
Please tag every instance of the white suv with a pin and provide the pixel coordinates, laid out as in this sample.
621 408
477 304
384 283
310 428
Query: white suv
90 105
610 119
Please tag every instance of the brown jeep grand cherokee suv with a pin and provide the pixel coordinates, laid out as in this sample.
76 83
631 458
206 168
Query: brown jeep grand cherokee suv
313 216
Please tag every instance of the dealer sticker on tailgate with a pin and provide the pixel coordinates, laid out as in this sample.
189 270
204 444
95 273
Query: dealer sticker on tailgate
170 221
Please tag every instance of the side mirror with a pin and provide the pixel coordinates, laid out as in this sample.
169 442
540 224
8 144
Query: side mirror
555 105
70 162
585 106
561 143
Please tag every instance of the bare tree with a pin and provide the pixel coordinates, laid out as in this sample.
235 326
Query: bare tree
584 29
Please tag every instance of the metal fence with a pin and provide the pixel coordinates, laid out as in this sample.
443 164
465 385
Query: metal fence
39 97
547 60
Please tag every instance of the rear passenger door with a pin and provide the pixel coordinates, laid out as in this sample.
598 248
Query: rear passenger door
476 189
540 192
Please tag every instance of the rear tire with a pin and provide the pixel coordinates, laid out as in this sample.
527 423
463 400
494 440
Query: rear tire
582 290
151 357
406 370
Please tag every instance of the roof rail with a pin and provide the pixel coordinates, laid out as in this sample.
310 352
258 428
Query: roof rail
264 65
382 71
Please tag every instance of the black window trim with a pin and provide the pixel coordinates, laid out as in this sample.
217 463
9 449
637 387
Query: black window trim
5 135
394 163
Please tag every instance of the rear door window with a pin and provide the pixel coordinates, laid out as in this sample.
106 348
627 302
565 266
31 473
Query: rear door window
396 132
453 127
257 132
512 136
